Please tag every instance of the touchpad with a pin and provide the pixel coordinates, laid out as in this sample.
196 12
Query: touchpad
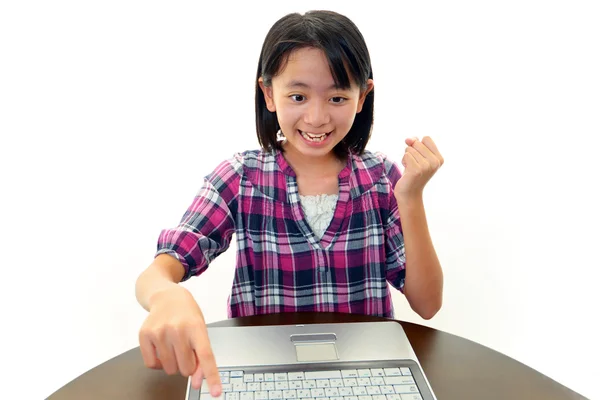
316 352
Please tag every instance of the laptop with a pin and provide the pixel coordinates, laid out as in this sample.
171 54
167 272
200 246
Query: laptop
347 361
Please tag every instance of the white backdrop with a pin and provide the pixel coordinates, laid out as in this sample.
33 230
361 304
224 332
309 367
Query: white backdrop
112 112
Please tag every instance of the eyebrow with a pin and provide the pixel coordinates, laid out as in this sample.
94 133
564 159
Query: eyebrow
295 84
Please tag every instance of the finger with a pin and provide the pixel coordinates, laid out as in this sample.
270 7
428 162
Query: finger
184 355
411 162
197 376
201 346
428 141
427 154
418 157
148 351
167 357
410 141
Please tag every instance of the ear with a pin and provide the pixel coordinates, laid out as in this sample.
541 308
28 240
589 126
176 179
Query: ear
268 93
364 94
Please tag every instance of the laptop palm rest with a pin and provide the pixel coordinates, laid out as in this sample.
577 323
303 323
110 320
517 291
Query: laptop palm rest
315 347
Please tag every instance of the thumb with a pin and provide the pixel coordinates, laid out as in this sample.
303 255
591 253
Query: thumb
411 141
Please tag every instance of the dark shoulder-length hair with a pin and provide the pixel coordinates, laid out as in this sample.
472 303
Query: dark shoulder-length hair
346 52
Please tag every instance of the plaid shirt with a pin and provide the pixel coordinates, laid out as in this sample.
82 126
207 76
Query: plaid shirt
281 265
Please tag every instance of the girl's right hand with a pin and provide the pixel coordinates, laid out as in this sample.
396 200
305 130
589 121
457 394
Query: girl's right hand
174 338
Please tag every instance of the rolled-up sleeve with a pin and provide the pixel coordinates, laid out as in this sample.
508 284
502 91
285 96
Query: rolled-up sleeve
206 227
395 262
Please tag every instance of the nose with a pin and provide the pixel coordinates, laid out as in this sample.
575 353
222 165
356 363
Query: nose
317 114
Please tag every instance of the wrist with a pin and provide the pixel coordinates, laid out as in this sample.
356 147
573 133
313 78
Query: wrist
409 199
168 290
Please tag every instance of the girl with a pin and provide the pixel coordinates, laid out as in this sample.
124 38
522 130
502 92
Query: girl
316 216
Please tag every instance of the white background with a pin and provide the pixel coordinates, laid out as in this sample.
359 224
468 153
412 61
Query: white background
112 112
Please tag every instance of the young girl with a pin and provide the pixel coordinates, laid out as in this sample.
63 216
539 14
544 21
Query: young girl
316 216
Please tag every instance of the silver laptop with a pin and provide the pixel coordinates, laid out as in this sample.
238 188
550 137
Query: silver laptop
348 361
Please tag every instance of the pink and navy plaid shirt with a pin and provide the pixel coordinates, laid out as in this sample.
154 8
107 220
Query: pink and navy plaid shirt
281 265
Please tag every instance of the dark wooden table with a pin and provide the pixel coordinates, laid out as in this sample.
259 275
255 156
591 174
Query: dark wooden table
457 369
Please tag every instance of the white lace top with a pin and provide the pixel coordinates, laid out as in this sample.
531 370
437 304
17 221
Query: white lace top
318 211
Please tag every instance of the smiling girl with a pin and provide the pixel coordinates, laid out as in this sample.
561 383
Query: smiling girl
321 223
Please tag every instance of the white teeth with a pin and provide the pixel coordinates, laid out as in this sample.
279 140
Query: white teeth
313 137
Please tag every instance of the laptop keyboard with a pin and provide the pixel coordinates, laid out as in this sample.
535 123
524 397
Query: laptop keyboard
345 384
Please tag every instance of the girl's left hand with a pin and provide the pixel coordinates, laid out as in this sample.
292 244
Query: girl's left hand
421 161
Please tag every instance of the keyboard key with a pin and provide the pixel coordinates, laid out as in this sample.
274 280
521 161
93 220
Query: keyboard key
399 380
282 385
392 371
281 377
364 373
323 375
310 384
399 389
373 390
350 382
261 395
269 377
295 376
350 373
236 374
359 391
405 371
275 395
345 391
363 381
377 372
227 387
295 384
411 397
387 389
323 383
377 380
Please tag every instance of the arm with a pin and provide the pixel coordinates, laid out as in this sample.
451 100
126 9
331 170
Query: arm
423 284
163 274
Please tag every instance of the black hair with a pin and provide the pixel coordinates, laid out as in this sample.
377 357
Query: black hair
346 51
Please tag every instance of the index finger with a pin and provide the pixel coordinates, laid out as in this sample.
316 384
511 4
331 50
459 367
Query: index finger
430 144
206 359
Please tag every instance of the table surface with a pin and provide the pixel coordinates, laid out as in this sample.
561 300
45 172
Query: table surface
456 368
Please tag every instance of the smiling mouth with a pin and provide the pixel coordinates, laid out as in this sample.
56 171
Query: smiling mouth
314 137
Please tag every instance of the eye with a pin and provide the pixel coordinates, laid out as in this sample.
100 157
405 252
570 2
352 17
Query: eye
297 98
338 100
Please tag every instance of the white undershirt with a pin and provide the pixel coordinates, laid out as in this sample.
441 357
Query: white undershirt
318 211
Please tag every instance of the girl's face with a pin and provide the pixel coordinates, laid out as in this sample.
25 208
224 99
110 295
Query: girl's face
313 115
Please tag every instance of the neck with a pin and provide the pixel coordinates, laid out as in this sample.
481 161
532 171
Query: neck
313 166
